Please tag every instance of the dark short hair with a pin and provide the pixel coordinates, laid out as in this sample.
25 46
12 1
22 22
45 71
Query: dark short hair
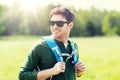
69 15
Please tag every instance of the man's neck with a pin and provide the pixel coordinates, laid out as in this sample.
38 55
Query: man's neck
64 40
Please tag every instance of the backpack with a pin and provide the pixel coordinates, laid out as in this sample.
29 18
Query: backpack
58 53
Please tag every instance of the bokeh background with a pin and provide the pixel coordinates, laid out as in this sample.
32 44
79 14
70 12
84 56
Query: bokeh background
96 30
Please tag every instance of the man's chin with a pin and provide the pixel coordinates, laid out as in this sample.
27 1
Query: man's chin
56 36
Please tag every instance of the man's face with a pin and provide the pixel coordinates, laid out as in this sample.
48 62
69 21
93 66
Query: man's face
59 26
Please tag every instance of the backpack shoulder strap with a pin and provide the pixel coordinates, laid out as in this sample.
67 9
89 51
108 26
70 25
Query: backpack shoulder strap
74 52
54 47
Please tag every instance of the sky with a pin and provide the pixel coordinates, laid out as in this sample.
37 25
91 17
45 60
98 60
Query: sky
83 4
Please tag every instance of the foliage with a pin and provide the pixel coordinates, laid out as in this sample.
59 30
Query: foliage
111 25
93 22
2 28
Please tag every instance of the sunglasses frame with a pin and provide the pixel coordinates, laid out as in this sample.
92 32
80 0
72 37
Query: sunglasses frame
58 23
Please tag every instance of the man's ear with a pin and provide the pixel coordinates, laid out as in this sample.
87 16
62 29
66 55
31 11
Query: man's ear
71 24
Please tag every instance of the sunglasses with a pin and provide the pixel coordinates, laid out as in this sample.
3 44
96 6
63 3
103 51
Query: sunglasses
58 23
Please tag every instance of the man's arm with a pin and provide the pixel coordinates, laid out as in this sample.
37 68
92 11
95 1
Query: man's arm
80 67
27 71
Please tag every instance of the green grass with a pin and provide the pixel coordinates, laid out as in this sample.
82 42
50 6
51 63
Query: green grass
101 56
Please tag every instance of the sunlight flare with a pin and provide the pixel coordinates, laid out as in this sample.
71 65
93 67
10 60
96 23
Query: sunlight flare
33 4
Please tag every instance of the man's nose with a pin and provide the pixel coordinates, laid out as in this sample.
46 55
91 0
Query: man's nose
55 26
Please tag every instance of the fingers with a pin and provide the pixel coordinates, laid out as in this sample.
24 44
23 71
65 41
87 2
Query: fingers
80 66
59 67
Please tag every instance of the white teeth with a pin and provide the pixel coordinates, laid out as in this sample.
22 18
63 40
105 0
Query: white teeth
56 31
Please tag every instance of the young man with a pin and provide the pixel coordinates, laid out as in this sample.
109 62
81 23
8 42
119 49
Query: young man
42 57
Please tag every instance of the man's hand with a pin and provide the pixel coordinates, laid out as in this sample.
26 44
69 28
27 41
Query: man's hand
58 68
80 68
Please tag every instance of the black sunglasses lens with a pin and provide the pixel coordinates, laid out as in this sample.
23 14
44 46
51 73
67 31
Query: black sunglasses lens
60 23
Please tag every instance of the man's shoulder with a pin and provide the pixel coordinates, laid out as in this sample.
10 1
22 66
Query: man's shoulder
72 41
39 43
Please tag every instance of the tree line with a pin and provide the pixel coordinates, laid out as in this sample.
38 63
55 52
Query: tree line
93 22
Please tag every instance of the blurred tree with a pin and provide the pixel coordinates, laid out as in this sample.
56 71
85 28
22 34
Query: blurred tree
2 27
96 17
111 25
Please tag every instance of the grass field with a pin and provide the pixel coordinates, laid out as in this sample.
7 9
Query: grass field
101 56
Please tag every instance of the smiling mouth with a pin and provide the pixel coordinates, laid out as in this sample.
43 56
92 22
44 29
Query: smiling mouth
56 31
